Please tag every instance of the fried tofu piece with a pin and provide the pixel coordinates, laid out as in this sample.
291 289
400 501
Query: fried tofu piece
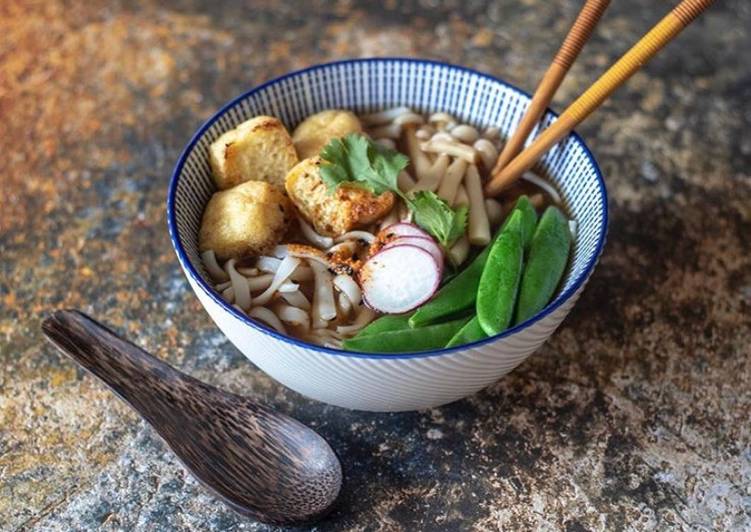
259 149
249 219
333 214
317 130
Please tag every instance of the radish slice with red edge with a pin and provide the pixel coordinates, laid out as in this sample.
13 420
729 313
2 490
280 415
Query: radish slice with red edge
428 244
404 229
399 279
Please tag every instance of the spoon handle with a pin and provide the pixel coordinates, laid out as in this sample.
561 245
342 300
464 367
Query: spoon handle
137 377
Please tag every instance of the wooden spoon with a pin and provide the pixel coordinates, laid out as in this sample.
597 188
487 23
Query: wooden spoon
260 462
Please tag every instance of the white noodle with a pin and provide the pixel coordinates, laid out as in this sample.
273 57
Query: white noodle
488 153
228 294
478 226
247 271
313 237
356 235
384 117
268 317
286 268
268 264
349 246
344 305
310 253
324 306
280 251
495 211
302 273
451 180
288 287
459 251
365 316
296 299
223 286
260 282
540 182
348 287
293 315
386 143
434 175
215 271
462 151
465 133
239 286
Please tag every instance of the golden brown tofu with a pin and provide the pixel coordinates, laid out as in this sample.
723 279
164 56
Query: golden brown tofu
333 214
259 149
249 219
317 130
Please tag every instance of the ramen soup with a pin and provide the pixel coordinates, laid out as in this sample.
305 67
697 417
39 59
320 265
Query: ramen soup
371 233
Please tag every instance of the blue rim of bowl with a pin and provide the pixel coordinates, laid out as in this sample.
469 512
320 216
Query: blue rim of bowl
188 267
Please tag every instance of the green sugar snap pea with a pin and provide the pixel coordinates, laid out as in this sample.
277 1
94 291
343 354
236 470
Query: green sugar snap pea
548 255
406 340
499 282
460 292
388 322
471 332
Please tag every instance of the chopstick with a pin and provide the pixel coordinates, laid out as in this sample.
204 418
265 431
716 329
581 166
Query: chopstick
579 33
646 48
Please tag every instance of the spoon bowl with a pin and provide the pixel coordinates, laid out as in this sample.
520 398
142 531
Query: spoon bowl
260 462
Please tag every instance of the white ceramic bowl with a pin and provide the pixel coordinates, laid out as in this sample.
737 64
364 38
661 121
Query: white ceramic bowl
382 382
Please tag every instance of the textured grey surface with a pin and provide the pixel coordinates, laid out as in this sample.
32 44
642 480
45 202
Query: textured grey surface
635 415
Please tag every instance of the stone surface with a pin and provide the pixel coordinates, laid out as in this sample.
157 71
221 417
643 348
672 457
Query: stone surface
636 414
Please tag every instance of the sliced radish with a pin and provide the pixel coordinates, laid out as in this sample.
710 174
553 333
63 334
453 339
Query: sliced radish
399 279
428 244
403 229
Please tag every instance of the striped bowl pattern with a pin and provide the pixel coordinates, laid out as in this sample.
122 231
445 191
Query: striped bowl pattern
379 382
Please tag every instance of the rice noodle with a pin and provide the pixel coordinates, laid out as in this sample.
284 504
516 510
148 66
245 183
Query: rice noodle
461 151
324 306
293 315
260 282
239 285
268 264
451 180
286 268
222 286
478 227
385 116
313 237
488 153
268 317
494 211
247 271
364 317
302 274
296 299
347 285
288 286
356 235
308 252
343 303
228 294
544 185
215 271
349 246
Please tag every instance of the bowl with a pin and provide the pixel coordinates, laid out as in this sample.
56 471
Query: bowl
387 382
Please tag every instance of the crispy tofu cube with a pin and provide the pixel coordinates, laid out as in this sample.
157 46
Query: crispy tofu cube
333 214
317 130
259 149
249 219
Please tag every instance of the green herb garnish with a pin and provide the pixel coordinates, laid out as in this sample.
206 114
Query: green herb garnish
357 160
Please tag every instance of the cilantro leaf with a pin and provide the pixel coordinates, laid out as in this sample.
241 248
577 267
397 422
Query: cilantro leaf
436 216
356 159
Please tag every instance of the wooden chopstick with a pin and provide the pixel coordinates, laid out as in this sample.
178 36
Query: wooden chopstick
646 48
579 34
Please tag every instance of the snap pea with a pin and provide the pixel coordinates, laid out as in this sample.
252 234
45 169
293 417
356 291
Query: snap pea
387 322
499 283
548 255
460 293
406 340
471 332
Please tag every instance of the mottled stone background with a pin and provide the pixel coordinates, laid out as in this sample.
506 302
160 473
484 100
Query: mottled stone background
636 414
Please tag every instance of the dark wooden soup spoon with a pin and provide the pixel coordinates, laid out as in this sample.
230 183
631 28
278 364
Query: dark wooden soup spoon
260 462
